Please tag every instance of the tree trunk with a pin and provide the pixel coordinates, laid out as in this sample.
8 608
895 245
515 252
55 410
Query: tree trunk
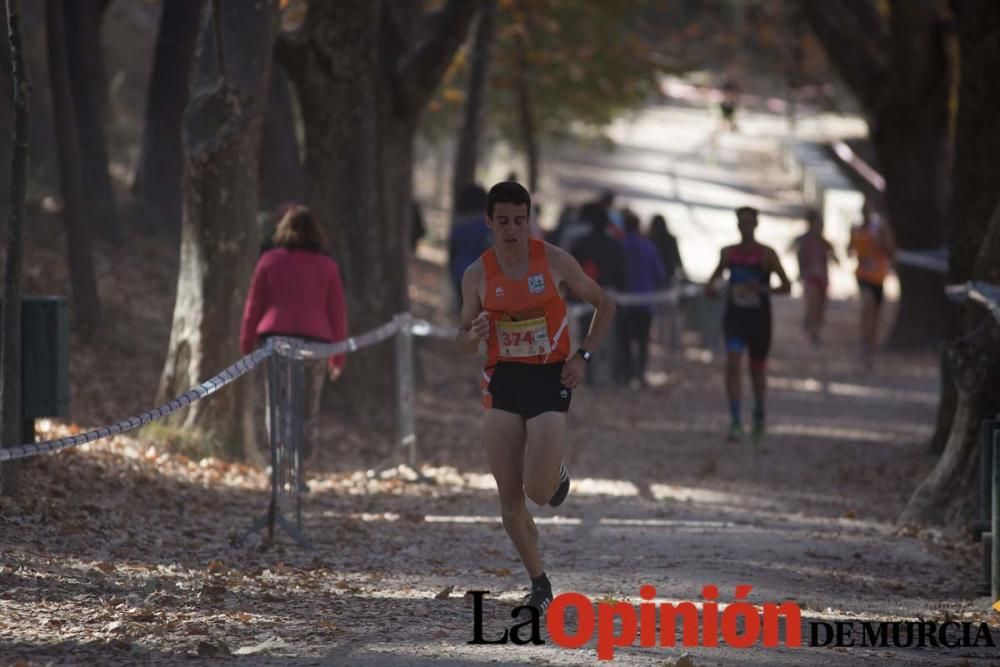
161 158
44 164
900 73
337 80
947 404
281 176
947 493
87 81
911 140
218 237
10 355
7 122
467 150
362 86
86 304
526 115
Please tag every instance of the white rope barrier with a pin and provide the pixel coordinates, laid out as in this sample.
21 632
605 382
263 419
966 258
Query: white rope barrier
984 293
300 349
207 388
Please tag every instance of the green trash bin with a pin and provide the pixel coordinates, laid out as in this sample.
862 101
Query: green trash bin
44 357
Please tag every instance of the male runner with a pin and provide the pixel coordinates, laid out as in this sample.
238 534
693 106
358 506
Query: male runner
746 323
513 299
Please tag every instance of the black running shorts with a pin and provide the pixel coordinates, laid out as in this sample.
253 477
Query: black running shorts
874 289
748 329
529 389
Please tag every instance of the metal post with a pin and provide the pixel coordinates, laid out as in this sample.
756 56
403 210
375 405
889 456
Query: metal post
297 418
405 431
995 519
285 415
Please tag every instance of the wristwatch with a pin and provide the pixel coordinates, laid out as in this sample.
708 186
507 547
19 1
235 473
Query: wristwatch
586 355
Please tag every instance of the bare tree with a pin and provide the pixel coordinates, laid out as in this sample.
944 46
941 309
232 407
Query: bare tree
364 70
161 158
898 69
947 495
282 178
222 127
89 88
86 304
10 355
470 136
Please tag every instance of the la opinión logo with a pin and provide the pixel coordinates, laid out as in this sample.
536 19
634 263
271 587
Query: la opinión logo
739 624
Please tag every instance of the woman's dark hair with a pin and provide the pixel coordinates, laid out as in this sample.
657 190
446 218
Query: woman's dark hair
507 192
298 230
471 199
658 228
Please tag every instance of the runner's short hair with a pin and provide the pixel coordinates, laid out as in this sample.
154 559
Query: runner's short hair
507 192
746 211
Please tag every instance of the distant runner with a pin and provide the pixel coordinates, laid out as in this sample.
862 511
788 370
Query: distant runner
746 323
814 254
513 297
873 244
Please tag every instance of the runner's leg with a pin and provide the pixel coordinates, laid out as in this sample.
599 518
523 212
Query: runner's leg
545 445
505 438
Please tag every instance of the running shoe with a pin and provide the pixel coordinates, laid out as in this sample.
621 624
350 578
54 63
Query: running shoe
758 430
735 432
560 495
539 598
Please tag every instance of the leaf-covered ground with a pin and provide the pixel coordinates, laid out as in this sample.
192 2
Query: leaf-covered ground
121 553
124 552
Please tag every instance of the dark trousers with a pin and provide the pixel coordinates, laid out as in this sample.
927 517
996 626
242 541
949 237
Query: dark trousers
633 342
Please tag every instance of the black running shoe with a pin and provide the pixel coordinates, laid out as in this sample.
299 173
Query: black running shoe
560 495
539 598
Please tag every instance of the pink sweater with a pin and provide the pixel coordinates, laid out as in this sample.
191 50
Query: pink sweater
296 293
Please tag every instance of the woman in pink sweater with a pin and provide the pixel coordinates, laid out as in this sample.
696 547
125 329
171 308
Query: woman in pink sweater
296 289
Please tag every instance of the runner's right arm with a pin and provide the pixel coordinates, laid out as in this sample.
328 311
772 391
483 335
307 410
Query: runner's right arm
474 324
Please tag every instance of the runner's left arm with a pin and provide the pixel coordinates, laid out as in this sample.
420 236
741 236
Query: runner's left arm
584 287
786 284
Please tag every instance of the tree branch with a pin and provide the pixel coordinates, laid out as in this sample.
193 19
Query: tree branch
420 69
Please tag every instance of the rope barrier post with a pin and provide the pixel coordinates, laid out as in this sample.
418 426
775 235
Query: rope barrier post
406 434
405 430
285 422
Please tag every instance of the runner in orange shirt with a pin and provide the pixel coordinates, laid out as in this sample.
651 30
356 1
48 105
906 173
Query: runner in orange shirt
513 298
874 246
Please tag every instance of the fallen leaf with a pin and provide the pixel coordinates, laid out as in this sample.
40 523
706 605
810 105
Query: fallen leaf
195 628
106 567
143 615
444 593
215 592
267 645
216 567
213 650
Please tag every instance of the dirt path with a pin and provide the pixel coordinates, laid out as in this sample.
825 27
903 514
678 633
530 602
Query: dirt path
122 553
116 562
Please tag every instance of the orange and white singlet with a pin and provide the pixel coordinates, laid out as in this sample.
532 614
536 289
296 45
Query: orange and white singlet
873 261
527 316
